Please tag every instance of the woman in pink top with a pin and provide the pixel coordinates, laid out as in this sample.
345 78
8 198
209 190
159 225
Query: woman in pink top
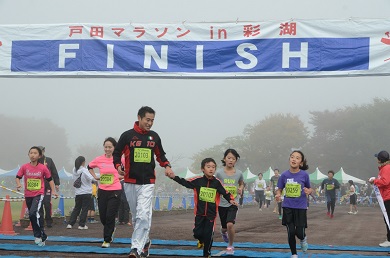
110 189
34 174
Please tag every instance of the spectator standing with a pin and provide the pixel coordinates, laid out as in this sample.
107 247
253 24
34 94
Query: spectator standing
382 189
47 207
83 194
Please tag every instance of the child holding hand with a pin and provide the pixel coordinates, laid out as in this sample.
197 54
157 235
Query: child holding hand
207 192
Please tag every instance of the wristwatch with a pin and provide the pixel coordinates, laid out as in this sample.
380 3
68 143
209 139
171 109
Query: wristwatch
168 165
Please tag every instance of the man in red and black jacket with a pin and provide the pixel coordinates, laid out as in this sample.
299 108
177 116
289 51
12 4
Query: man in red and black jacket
207 192
139 146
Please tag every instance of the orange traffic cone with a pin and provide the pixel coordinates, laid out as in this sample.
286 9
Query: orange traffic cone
6 227
22 213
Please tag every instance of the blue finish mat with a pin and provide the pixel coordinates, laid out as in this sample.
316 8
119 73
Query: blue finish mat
281 250
193 243
164 252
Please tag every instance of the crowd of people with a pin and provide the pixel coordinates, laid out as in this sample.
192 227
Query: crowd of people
126 183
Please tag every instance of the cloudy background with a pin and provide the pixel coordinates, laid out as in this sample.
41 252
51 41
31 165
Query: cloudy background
191 114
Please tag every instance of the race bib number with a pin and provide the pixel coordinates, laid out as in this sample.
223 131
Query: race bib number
232 190
207 194
107 179
33 184
293 190
329 187
142 155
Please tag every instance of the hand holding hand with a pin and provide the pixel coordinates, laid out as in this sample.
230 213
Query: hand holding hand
120 171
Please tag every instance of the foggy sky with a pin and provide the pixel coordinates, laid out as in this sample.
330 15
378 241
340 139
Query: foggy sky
190 114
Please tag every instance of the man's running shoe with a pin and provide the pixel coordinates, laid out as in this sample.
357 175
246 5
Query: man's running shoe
328 214
145 251
225 236
385 244
69 226
105 244
83 228
355 212
304 245
294 256
199 245
331 216
350 212
280 216
230 250
134 253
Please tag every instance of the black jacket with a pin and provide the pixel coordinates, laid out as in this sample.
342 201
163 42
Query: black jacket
139 148
205 208
53 170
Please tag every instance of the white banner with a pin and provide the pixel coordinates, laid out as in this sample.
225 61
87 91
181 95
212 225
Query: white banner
292 48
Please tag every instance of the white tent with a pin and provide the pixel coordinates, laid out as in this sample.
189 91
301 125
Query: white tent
248 176
11 172
64 174
317 177
268 174
343 177
187 174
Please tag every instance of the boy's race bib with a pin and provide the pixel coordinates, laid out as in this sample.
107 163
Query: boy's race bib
142 155
329 187
207 194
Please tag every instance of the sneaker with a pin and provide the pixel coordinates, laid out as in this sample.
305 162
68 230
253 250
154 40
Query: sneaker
304 245
105 244
280 216
350 212
199 245
225 237
134 253
69 226
82 228
38 240
93 221
260 209
113 235
328 214
331 216
42 243
145 250
385 244
294 256
230 250
355 212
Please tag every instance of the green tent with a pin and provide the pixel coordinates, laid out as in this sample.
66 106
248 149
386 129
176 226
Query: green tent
343 177
268 174
248 176
317 177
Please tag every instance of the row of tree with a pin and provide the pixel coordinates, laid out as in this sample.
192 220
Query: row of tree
347 138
